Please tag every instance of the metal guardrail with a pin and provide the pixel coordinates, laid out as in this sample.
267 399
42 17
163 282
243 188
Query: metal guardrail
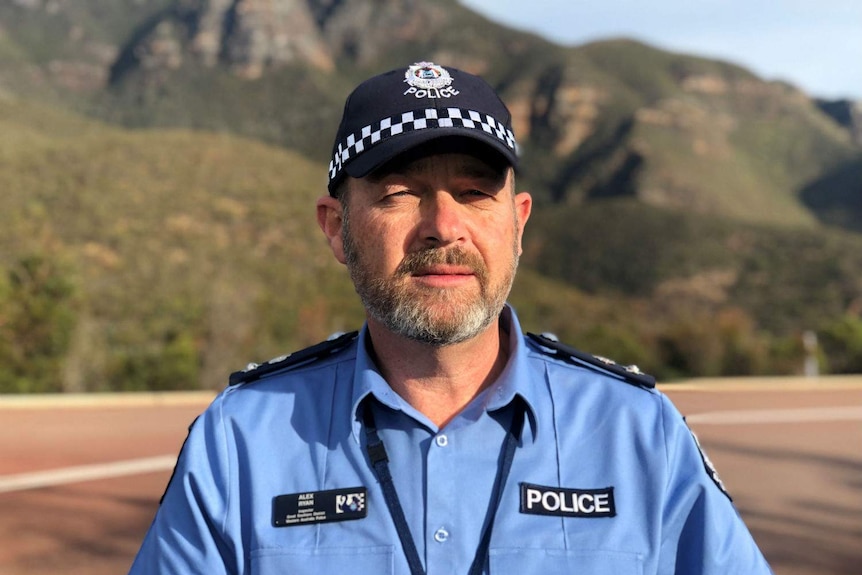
179 398
85 400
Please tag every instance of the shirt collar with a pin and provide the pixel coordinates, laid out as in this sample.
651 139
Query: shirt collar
515 380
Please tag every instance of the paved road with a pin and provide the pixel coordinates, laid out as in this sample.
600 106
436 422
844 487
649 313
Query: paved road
80 479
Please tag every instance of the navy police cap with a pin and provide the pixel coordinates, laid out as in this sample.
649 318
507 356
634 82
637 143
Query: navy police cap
394 112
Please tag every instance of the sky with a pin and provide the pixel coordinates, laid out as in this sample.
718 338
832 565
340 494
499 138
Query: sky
815 45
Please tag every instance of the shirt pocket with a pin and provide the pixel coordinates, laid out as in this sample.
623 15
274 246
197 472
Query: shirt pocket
564 561
322 561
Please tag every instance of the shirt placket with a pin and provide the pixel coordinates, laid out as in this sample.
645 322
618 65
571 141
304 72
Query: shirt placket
461 464
442 531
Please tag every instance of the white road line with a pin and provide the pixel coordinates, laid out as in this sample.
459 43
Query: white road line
762 416
37 479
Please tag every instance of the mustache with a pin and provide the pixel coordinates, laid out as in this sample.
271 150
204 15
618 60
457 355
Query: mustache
415 262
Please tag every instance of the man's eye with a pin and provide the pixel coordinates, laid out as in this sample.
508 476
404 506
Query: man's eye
475 194
397 194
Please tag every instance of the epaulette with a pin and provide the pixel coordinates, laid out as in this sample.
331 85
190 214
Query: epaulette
255 371
550 345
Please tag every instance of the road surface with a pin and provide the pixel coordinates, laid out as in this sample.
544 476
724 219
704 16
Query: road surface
81 476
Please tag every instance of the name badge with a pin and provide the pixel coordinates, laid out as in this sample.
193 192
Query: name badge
565 502
319 507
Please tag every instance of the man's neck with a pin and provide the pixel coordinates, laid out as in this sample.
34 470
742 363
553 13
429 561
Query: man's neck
439 381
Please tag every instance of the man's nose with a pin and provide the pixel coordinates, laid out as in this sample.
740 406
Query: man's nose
442 220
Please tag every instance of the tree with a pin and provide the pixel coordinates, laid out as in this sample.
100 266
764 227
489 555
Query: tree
841 343
37 318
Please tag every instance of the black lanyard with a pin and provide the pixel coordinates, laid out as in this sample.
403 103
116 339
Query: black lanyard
380 463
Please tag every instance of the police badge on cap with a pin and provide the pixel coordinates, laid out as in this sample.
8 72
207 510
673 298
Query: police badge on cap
427 75
428 80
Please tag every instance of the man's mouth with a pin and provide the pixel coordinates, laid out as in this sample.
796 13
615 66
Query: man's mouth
444 270
440 269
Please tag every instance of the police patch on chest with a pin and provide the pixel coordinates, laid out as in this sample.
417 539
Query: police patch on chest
319 507
565 502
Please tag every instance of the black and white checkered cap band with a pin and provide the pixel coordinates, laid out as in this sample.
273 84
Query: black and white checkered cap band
358 142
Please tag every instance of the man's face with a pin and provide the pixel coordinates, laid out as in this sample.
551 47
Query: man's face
432 245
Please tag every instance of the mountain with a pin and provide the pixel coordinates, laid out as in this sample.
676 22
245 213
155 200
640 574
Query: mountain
689 215
614 118
847 113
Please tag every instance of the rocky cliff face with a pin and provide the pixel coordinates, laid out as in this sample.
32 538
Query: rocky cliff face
250 37
363 31
247 36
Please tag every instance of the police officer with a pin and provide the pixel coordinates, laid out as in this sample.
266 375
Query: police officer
440 439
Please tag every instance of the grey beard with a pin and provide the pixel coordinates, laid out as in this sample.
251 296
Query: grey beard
405 312
409 318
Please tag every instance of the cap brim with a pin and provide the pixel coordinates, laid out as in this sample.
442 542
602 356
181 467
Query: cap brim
386 151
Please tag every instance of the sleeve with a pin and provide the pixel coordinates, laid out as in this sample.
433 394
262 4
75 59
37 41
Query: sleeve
187 535
702 532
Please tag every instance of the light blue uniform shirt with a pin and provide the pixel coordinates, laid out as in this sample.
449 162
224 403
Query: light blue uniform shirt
588 436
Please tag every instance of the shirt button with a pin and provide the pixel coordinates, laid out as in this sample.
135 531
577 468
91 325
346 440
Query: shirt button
442 440
441 535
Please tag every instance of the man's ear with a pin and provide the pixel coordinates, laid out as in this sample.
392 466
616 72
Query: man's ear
330 221
523 208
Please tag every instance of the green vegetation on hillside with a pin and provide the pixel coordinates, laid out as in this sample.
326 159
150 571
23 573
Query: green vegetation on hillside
191 254
717 297
165 259
37 317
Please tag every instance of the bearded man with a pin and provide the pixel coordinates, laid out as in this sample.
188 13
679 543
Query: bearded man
440 438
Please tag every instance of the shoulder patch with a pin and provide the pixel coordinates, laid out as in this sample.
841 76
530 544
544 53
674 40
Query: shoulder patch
629 373
255 371
707 463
